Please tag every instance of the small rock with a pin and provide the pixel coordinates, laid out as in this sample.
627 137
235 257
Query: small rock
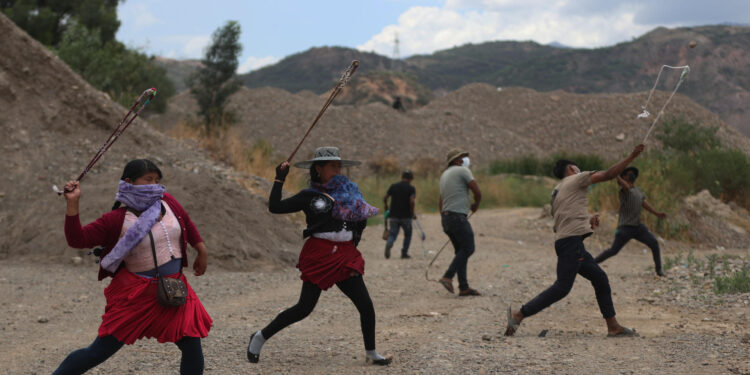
76 260
486 337
42 320
590 131
620 137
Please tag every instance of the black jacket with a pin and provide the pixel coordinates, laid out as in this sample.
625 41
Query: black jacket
317 208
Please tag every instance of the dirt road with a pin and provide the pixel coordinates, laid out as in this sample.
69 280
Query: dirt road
47 311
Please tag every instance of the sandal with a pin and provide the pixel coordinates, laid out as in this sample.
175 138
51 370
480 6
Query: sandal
513 324
447 283
627 332
252 358
380 362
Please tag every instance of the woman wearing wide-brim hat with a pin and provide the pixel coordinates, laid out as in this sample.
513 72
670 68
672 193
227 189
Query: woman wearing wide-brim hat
336 216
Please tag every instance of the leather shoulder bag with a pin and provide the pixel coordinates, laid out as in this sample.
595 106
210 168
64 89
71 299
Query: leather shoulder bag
171 292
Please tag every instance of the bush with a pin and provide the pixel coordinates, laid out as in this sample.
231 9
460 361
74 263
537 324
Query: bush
683 136
530 165
111 67
738 282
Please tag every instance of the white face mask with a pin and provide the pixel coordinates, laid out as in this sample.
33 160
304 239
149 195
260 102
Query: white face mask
466 161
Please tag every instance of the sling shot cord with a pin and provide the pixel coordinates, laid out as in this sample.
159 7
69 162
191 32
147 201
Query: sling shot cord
645 113
143 100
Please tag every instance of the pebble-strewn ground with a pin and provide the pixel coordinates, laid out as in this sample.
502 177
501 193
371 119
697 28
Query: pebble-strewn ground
48 311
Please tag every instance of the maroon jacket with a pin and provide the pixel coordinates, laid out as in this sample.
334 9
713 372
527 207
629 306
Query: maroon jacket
105 231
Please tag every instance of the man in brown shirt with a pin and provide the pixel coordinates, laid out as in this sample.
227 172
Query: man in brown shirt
572 225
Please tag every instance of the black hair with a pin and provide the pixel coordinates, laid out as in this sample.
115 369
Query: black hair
314 175
407 174
560 166
629 169
135 169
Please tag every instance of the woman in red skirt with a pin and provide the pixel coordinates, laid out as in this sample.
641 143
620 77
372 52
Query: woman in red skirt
336 216
151 228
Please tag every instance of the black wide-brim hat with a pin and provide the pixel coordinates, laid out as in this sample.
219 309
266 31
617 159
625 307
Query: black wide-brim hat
327 154
628 169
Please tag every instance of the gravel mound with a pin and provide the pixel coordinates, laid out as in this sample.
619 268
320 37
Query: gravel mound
53 122
491 123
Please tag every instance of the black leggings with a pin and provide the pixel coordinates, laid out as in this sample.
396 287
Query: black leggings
102 348
627 232
573 259
354 288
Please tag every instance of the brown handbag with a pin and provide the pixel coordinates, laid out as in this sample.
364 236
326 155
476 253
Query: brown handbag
171 292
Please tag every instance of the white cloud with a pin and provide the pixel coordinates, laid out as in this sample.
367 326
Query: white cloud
253 63
184 46
139 15
427 29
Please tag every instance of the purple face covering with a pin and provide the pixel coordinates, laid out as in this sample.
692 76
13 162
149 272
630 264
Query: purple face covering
144 198
349 204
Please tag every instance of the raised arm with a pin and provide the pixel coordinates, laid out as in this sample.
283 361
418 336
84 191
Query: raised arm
275 204
77 236
616 169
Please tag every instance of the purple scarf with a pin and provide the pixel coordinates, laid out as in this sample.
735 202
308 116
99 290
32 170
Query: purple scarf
349 204
144 198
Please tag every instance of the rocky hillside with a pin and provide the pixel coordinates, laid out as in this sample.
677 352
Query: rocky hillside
719 80
385 87
316 69
53 122
491 124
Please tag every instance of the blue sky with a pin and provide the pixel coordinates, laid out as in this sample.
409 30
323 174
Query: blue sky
274 29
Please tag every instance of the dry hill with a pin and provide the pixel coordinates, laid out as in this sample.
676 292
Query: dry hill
719 80
52 123
491 124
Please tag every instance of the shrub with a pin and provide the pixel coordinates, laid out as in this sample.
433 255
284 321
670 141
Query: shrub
535 166
683 136
738 282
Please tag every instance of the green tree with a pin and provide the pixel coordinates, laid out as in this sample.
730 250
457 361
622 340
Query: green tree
47 20
111 67
213 83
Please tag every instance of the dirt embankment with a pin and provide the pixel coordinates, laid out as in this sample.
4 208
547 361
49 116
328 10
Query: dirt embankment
491 124
53 122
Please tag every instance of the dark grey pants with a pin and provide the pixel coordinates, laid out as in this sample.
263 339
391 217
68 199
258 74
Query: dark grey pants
458 229
627 232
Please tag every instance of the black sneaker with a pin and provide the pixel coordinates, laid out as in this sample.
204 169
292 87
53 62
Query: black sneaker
660 273
405 256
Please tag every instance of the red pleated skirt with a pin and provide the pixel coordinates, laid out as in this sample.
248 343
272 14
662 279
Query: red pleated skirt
132 312
324 263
